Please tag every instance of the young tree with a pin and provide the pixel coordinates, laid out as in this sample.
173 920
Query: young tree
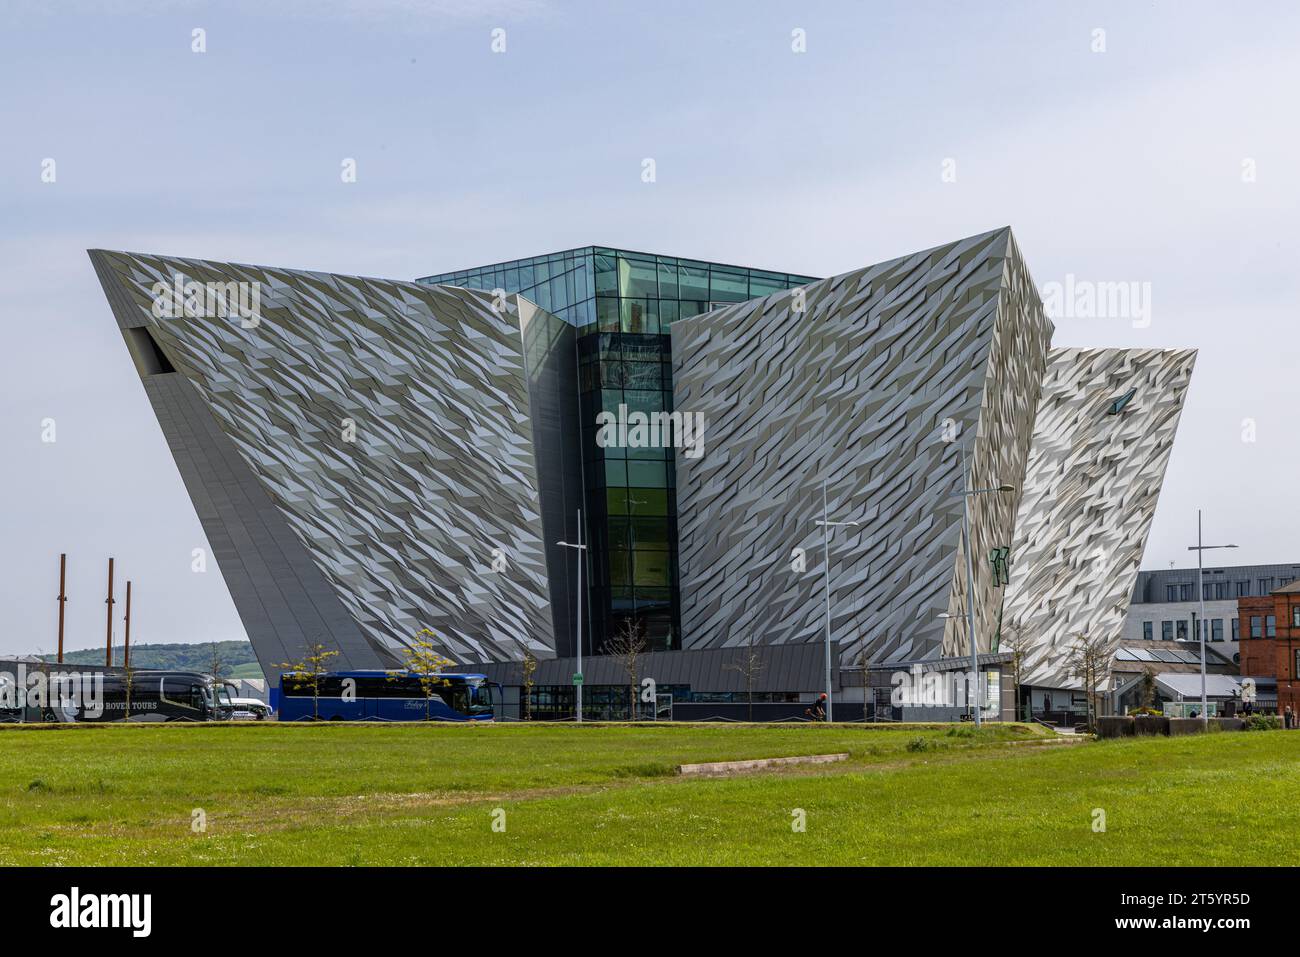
529 668
1017 642
216 663
868 692
423 661
625 648
1148 686
1090 664
311 667
750 665
128 683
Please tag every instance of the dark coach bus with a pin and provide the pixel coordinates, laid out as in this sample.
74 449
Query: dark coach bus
385 696
155 696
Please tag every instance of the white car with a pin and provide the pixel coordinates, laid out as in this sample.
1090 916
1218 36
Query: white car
250 709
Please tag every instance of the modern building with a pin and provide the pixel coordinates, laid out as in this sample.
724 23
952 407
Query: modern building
1166 603
372 457
365 457
1103 434
622 305
1270 645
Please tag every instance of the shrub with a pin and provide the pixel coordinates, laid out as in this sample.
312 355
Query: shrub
918 744
1263 722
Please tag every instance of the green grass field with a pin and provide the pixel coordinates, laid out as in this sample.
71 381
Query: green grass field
421 794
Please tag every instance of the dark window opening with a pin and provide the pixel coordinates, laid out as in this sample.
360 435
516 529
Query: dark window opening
149 358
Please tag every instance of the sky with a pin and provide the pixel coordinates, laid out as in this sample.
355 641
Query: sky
1143 143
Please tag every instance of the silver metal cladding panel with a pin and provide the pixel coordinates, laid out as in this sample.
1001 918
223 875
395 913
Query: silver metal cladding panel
877 380
429 515
1091 489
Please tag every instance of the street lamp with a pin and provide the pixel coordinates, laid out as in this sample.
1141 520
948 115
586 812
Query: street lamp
582 559
827 525
970 578
1200 549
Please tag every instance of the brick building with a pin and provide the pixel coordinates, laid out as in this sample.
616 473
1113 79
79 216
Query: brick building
1270 642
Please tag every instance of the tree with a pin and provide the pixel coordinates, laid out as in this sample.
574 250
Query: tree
424 661
216 663
1090 663
750 665
868 692
1148 687
625 648
311 667
128 683
529 668
1017 643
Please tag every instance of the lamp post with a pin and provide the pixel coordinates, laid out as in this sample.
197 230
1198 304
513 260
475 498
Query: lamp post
966 496
1200 548
582 558
826 525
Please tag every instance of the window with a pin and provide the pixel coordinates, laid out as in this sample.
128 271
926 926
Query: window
668 279
1255 627
1295 616
652 474
728 286
1148 628
1265 586
1184 592
1216 630
182 693
1167 630
1270 626
1243 589
300 686
1181 630
1297 663
1171 593
694 283
1236 629
637 278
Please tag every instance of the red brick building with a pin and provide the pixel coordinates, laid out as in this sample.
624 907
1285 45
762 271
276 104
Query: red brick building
1270 641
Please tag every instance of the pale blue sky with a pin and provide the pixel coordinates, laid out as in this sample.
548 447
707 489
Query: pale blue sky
1117 166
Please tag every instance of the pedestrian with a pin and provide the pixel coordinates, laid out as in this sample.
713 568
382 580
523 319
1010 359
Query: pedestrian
1289 718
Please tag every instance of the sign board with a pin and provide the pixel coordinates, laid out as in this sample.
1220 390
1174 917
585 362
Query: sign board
577 677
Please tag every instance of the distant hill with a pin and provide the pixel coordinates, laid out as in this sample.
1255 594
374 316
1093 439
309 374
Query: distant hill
237 657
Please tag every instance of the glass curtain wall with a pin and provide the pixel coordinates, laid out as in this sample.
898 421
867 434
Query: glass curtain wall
623 304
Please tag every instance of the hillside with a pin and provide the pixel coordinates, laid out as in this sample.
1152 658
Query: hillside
238 660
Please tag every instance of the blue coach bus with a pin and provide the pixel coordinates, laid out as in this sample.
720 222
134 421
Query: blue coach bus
385 696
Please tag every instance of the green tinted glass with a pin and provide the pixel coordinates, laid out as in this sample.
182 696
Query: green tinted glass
637 278
694 282
728 287
652 474
646 501
668 280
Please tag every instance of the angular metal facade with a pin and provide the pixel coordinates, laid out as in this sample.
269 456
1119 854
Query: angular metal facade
898 385
362 457
1094 476
894 384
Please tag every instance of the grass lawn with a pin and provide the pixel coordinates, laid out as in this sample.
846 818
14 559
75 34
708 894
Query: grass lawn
420 794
